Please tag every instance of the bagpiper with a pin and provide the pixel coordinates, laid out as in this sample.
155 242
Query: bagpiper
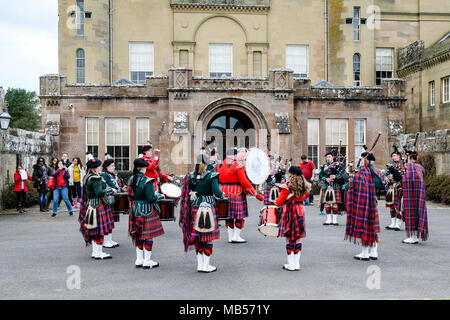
144 222
414 201
198 212
363 225
112 180
393 182
234 183
292 219
331 178
96 218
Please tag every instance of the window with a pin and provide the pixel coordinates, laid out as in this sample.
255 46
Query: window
385 64
360 137
142 133
431 93
118 141
297 60
313 141
220 60
141 61
445 90
80 66
356 70
79 19
184 58
257 64
336 131
92 136
356 24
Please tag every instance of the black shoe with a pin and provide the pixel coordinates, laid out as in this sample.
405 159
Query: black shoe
397 229
70 213
361 259
373 258
53 215
326 224
389 228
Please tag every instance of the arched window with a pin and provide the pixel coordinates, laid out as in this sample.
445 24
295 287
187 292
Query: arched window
356 70
80 66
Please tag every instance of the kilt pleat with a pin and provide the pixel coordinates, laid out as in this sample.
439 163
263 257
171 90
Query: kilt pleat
237 206
292 221
145 227
105 222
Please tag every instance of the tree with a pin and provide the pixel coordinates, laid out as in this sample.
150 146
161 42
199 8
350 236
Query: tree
24 108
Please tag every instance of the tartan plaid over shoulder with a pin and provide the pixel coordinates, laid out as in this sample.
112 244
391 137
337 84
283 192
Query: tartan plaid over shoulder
363 224
414 201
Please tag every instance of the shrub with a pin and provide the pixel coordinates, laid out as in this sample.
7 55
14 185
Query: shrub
438 188
9 197
427 161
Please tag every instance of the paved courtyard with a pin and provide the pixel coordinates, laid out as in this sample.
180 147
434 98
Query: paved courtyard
38 255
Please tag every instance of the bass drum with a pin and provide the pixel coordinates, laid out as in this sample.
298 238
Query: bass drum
257 166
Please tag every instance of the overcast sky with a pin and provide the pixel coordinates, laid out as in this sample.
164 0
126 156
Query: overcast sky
28 42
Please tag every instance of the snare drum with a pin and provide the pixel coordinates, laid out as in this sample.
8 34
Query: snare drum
222 209
171 191
121 204
167 209
268 224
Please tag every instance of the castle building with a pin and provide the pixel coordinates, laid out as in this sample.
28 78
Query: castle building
292 77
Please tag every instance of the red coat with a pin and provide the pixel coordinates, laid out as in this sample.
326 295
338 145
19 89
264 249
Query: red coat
153 171
18 182
283 195
235 174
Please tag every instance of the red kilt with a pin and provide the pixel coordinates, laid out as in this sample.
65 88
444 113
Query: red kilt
267 196
204 236
237 205
363 224
337 194
292 221
116 217
145 227
105 222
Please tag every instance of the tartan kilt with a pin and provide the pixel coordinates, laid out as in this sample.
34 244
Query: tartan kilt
237 206
337 193
105 222
292 221
116 217
267 196
145 227
204 236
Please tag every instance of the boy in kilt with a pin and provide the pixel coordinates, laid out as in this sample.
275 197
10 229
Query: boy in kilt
94 192
292 219
109 176
394 183
200 190
234 183
331 178
144 223
414 201
363 223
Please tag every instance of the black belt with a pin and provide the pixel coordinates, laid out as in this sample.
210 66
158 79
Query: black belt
200 194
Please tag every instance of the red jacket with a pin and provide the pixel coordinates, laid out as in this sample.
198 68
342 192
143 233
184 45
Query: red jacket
18 182
153 171
235 174
307 168
283 195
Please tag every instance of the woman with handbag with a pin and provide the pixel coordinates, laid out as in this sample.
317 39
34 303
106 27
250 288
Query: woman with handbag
41 174
61 176
51 180
292 218
96 219
113 182
20 187
198 212
144 222
77 174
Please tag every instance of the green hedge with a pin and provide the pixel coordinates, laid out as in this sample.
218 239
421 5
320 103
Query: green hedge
438 188
9 197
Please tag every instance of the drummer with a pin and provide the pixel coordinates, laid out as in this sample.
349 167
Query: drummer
144 222
200 189
234 183
109 176
153 171
292 219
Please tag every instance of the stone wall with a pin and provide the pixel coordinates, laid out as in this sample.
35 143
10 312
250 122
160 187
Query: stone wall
435 142
21 147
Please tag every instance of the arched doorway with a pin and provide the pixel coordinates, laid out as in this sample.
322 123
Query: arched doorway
230 128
